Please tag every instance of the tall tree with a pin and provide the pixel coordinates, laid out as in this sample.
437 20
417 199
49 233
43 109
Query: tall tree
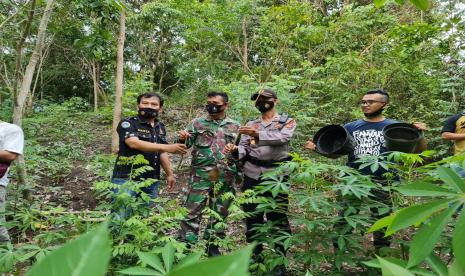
20 99
119 80
19 49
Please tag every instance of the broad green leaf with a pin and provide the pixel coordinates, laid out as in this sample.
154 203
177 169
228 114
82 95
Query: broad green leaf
391 269
379 3
138 270
168 256
381 223
458 240
375 262
452 179
87 255
152 260
424 240
28 255
415 214
400 2
421 4
420 271
236 264
437 265
424 189
456 269
188 260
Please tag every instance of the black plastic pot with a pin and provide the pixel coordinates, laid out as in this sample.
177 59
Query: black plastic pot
402 137
333 141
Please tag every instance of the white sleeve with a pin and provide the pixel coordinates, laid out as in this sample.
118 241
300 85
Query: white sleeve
14 140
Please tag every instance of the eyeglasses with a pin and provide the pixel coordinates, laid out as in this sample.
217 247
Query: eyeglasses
369 102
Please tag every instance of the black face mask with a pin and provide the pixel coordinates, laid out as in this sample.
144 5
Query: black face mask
374 114
148 113
264 106
213 108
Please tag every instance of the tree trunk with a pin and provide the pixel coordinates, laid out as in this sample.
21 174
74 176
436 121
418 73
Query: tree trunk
100 90
94 81
20 100
119 81
19 51
32 95
322 6
245 46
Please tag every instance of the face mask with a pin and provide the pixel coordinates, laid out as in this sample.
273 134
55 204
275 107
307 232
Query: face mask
264 106
213 108
148 113
374 114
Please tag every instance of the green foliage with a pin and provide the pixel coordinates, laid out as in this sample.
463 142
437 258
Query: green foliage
159 268
432 217
319 58
233 264
78 257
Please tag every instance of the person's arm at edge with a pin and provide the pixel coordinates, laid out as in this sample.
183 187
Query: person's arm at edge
135 143
166 165
7 156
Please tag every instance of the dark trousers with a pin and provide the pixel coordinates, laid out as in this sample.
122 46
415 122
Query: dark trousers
258 217
379 240
378 236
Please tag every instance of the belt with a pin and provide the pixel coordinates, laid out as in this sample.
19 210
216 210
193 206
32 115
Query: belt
265 163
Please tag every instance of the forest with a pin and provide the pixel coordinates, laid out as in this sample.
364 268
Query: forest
71 76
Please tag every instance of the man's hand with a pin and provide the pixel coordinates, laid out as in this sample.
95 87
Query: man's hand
252 132
310 145
183 135
176 148
420 126
230 148
170 181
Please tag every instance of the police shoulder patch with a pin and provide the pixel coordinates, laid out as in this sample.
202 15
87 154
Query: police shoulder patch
125 124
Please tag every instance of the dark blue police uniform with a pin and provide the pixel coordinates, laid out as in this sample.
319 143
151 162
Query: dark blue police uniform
139 127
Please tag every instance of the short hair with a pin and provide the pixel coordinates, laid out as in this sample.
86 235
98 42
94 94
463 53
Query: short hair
150 95
218 93
382 92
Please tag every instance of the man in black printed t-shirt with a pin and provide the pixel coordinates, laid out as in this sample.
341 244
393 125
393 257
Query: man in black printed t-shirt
368 135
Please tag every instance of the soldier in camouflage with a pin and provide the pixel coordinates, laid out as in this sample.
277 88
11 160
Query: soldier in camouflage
212 173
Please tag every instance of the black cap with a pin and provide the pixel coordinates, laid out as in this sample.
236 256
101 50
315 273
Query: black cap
265 93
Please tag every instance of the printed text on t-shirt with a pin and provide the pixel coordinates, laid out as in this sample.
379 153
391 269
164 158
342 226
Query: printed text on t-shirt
369 142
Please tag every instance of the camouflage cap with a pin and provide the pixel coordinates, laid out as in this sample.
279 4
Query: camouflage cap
265 93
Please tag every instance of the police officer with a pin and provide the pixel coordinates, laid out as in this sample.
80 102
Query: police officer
264 143
212 173
144 134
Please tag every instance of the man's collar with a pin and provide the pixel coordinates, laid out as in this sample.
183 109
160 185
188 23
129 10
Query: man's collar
209 118
275 117
145 121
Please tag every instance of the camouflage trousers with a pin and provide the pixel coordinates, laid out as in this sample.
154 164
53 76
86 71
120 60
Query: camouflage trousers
3 231
207 187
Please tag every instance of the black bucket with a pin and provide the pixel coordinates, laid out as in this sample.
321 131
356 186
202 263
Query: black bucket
401 137
333 141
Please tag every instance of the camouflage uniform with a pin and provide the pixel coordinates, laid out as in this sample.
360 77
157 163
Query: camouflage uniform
212 173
